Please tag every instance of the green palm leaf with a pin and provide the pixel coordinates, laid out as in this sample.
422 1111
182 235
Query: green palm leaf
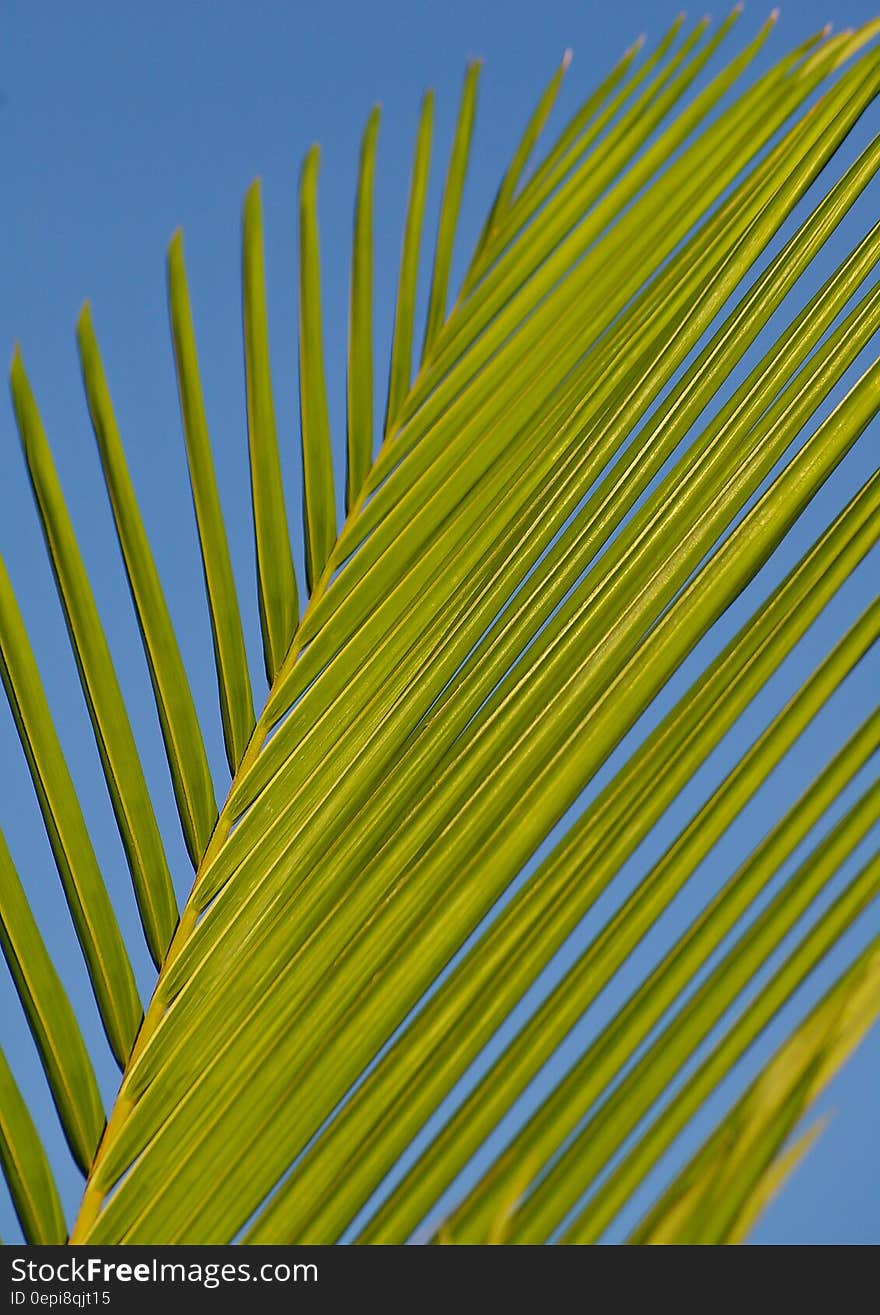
277 590
593 463
739 1167
400 368
26 1168
319 502
360 332
187 760
91 912
233 678
52 1021
450 206
125 780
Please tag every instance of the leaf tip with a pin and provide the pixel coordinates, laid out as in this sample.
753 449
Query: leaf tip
253 200
84 327
20 389
16 364
311 161
567 57
175 245
474 66
371 130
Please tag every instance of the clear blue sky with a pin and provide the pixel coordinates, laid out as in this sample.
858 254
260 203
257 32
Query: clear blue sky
121 121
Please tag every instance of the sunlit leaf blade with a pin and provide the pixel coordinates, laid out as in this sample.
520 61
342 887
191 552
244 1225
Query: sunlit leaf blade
712 1199
809 952
233 678
449 1032
763 453
610 437
535 263
184 746
405 310
560 568
601 850
574 129
524 375
766 1184
764 1187
342 1023
360 325
26 1168
577 137
90 908
52 1022
663 497
609 1054
522 154
207 921
279 604
450 207
319 500
119 756
631 245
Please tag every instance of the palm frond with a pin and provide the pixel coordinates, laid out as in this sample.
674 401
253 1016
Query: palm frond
119 756
511 180
449 209
184 746
319 502
609 437
26 1169
360 330
400 369
233 677
566 886
52 1022
90 909
714 1198
279 605
803 960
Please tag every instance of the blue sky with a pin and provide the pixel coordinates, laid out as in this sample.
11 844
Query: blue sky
122 121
